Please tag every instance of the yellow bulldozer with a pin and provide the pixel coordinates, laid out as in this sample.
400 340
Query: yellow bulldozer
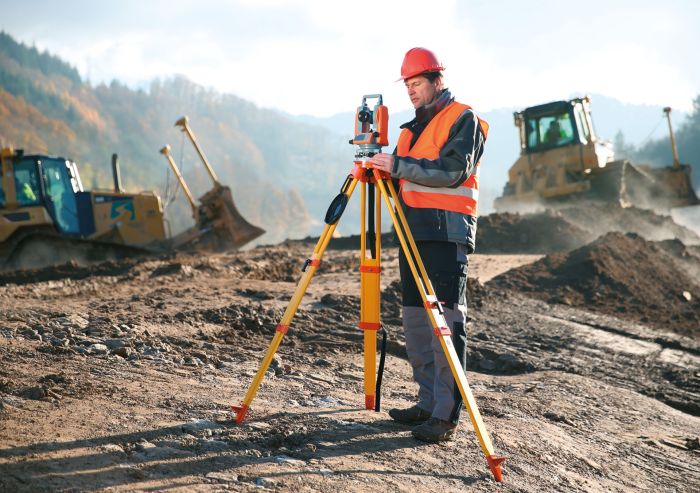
563 161
47 218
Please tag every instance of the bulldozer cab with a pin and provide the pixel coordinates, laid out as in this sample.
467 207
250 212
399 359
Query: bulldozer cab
43 181
558 147
553 129
562 131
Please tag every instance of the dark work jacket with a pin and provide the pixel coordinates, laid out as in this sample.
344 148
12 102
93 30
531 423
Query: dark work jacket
456 162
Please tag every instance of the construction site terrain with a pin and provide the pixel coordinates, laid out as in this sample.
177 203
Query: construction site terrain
583 357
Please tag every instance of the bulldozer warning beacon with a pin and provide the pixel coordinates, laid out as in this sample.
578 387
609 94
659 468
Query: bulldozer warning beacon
563 161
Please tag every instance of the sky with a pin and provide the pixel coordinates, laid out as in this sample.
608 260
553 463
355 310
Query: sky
318 57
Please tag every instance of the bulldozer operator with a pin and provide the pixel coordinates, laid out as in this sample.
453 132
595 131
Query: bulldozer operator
27 192
436 162
553 133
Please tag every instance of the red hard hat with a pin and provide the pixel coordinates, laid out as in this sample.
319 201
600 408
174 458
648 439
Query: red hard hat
418 61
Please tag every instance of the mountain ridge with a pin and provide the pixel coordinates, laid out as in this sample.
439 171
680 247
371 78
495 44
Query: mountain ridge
283 169
277 168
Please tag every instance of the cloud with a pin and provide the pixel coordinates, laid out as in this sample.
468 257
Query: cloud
319 57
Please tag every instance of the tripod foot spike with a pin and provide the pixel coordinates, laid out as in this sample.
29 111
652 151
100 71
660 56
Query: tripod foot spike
495 466
240 412
369 402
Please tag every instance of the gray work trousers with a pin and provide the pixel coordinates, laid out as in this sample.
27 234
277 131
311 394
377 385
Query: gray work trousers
446 265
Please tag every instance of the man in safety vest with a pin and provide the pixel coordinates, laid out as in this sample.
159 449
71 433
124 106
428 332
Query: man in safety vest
436 162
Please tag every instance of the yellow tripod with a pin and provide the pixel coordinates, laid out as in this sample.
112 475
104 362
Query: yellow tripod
369 141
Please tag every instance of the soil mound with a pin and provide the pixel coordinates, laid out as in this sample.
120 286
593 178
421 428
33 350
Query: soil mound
568 228
598 220
544 232
619 274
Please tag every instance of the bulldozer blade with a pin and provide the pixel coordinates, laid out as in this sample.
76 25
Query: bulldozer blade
658 189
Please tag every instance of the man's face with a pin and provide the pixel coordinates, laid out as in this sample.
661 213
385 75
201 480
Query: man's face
421 91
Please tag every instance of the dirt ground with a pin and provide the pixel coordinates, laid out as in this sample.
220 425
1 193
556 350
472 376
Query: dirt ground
122 379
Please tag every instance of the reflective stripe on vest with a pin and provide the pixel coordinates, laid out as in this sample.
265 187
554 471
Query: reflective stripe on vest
462 199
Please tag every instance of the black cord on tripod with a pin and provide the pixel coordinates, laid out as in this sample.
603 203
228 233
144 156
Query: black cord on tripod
380 371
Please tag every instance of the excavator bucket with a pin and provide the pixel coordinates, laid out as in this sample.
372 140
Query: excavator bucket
227 227
219 225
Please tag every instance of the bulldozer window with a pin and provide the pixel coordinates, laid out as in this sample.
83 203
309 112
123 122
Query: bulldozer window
27 183
550 131
532 133
60 190
582 124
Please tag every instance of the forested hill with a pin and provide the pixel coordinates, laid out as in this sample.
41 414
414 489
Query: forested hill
278 169
283 170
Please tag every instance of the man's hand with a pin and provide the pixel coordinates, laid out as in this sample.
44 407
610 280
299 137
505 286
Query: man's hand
383 162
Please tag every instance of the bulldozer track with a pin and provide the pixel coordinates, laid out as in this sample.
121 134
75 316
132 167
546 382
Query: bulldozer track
37 250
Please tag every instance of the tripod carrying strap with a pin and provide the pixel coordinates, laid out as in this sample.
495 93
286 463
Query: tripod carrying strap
380 371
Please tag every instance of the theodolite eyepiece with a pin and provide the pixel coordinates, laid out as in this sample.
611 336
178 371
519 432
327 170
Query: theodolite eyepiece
365 115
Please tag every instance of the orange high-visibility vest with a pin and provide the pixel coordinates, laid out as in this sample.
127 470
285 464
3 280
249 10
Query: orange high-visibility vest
462 199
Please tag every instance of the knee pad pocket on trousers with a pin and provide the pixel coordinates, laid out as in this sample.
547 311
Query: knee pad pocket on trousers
462 288
459 339
446 268
450 287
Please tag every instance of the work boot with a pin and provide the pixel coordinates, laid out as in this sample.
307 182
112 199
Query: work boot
411 416
434 430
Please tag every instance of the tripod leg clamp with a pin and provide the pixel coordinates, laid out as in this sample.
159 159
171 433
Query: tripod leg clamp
442 331
433 304
314 263
370 325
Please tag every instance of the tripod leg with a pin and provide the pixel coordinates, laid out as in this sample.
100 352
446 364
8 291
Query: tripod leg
310 269
369 289
437 320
